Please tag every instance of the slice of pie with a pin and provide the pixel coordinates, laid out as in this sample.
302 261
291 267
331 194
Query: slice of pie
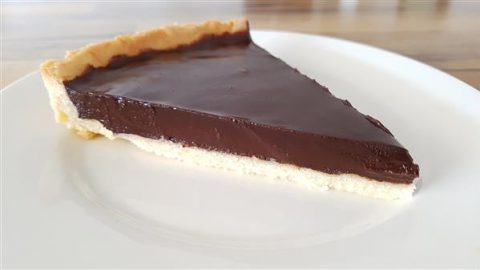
208 94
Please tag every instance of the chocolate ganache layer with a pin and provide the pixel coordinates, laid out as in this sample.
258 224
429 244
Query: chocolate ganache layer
225 93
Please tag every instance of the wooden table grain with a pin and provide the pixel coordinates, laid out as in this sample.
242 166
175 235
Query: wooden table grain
444 34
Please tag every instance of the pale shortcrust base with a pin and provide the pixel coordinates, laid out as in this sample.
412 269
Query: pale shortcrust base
55 72
299 176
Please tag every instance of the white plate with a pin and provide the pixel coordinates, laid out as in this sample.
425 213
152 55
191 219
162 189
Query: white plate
68 202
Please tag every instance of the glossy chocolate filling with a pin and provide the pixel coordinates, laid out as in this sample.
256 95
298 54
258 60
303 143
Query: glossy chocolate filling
225 93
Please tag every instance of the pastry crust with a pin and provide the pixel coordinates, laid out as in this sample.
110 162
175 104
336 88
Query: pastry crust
55 72
164 38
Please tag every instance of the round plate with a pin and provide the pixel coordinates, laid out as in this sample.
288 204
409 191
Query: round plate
67 202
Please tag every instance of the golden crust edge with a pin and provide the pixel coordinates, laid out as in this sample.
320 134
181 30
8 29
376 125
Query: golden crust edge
162 38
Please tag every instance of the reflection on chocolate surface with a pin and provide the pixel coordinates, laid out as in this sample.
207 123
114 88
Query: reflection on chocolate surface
227 94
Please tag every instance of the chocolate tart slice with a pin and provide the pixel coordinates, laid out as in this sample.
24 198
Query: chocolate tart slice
207 94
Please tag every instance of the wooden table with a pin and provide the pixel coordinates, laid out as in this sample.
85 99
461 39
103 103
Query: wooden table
444 34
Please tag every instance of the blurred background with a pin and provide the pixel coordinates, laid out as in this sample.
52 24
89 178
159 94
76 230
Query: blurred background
442 33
